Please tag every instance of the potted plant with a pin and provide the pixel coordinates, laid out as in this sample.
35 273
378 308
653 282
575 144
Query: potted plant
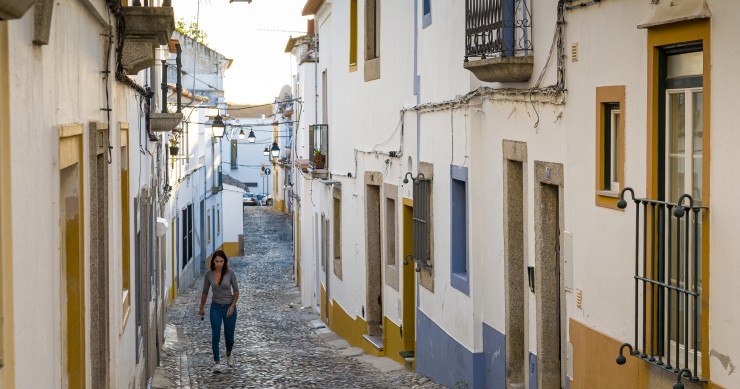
319 159
174 144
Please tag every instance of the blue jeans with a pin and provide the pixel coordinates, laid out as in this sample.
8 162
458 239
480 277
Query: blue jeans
218 314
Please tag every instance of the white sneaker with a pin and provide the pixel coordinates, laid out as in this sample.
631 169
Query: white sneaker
217 368
230 360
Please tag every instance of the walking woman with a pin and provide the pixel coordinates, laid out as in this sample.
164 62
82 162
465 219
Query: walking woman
222 282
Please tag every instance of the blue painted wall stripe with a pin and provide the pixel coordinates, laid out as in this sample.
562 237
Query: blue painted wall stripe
494 350
532 371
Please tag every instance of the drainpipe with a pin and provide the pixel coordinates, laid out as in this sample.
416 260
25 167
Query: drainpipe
417 92
179 78
164 85
417 83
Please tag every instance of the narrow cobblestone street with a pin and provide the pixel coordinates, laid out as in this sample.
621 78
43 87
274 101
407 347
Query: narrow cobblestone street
275 344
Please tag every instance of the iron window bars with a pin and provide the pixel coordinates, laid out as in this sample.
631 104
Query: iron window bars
668 283
422 219
497 28
318 143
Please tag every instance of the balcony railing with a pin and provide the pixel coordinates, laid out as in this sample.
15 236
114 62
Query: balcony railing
497 28
667 289
499 31
318 143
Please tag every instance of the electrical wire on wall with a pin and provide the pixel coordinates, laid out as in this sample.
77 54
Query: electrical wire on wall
106 76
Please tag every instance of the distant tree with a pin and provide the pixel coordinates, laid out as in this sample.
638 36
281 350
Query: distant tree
190 29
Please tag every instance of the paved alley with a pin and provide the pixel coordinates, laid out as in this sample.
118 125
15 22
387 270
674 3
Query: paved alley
275 344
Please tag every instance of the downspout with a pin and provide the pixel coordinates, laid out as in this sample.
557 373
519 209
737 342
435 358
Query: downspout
417 84
417 92
178 61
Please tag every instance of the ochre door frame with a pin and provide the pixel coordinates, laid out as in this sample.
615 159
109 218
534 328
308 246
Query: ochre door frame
73 239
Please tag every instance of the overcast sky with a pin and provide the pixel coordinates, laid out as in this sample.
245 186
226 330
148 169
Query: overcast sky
254 36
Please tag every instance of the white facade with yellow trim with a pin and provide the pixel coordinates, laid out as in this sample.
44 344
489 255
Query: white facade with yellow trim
530 162
74 151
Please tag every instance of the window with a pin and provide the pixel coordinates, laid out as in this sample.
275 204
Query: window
337 221
459 252
372 29
125 236
390 232
609 144
218 220
682 174
672 266
137 275
187 234
422 223
234 163
426 9
372 40
208 227
352 35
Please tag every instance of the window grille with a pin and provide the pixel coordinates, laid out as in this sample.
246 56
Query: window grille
422 223
497 28
668 260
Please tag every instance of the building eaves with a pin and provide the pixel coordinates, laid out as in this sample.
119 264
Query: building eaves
237 111
311 7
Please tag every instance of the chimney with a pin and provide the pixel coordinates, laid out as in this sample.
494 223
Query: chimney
310 28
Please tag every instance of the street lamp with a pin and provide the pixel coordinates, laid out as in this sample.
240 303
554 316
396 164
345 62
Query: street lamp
266 152
275 150
241 134
251 138
218 127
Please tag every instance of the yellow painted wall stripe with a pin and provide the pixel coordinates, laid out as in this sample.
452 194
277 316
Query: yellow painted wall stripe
7 352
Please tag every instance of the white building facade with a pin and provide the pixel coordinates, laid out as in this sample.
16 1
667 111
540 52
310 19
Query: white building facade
81 156
503 193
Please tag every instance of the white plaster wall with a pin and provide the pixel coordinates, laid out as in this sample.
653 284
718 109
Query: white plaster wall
363 115
249 157
53 85
604 256
233 215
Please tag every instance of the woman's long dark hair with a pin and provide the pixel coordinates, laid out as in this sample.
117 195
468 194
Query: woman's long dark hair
225 269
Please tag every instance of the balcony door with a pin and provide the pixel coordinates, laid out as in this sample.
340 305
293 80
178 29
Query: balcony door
682 174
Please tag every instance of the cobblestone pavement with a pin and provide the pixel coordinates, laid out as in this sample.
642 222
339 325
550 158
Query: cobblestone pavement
275 344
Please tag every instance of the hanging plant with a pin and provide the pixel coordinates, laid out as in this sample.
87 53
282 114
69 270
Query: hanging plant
174 143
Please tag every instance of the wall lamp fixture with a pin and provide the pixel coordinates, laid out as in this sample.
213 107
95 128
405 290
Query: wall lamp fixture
419 177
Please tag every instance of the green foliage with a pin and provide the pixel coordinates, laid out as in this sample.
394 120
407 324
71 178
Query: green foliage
190 29
460 384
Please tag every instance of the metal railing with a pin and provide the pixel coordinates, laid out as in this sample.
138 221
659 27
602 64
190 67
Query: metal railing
497 28
150 3
667 291
318 143
422 220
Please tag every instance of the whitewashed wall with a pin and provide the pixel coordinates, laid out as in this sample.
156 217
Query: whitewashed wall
49 87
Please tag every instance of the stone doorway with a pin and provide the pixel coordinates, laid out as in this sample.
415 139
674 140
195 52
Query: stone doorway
549 291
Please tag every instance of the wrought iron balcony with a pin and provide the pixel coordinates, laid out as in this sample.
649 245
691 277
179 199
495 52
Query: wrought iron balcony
318 143
498 40
147 28
667 288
